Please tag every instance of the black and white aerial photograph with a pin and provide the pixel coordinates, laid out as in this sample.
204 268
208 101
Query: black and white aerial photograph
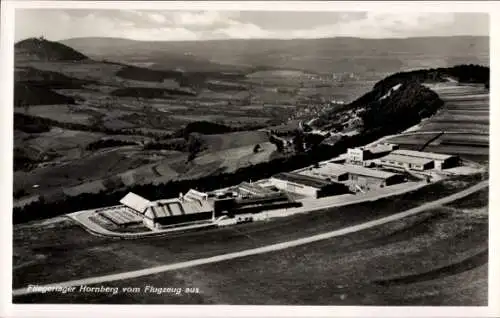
250 157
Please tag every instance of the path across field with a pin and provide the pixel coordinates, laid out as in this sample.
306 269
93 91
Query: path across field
264 249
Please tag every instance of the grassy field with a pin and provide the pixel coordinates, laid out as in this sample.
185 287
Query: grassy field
61 113
81 170
476 200
63 142
388 265
71 251
235 140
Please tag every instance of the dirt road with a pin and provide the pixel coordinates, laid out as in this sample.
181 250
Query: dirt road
264 249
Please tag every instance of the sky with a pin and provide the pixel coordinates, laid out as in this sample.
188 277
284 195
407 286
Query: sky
164 25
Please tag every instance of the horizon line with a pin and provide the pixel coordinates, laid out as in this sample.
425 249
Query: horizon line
261 39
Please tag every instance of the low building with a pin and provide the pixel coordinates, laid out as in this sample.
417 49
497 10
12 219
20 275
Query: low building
136 203
193 195
441 161
246 188
236 206
326 171
162 213
406 162
174 211
381 149
366 178
307 185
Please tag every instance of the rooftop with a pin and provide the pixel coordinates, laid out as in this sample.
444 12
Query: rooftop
326 170
255 188
302 179
383 147
192 194
406 159
177 208
359 170
420 154
135 202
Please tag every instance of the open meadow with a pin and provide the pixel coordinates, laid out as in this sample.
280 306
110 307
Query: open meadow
359 267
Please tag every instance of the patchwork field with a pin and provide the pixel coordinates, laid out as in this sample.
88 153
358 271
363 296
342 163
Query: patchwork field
53 154
224 153
109 162
460 127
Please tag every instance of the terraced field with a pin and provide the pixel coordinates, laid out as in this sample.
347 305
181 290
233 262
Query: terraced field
461 127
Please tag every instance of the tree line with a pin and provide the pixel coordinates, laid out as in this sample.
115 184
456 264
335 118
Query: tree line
107 143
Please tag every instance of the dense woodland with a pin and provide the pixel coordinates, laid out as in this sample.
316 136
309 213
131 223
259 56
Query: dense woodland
144 74
47 79
107 143
400 110
27 95
150 92
36 124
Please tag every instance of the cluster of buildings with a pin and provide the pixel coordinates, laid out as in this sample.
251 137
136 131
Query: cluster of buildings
390 156
417 160
362 169
189 208
199 207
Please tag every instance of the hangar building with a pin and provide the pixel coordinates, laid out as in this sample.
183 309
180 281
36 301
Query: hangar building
158 214
307 185
326 171
406 162
251 189
441 161
366 178
234 206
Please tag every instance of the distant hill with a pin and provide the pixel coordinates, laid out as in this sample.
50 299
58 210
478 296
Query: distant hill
315 55
44 50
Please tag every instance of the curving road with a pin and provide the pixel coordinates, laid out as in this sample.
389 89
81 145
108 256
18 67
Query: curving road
264 249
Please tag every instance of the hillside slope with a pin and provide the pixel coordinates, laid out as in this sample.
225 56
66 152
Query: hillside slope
41 49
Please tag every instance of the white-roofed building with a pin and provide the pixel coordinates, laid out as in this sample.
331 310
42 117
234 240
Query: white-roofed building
441 161
195 195
135 202
406 162
168 212
363 178
307 185
326 171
